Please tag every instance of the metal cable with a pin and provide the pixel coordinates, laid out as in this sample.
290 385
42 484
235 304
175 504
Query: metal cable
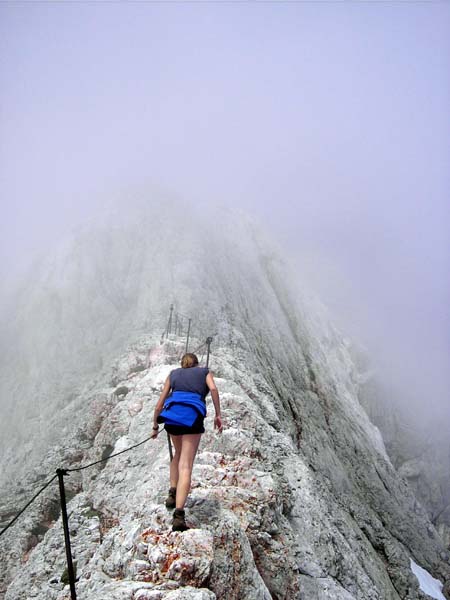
197 349
95 462
112 455
27 505
69 470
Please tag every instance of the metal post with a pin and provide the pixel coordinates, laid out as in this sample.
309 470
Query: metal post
170 446
169 324
188 332
70 571
208 342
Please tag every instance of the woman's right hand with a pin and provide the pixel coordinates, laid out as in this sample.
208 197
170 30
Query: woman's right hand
218 423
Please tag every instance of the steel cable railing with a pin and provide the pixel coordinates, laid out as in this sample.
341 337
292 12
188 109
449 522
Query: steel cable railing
206 345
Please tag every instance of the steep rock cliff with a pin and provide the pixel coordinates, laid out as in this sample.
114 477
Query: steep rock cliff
296 499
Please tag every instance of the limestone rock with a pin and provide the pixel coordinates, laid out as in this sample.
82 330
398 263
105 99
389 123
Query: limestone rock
298 498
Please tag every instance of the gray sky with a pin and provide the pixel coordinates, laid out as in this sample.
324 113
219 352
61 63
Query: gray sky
328 121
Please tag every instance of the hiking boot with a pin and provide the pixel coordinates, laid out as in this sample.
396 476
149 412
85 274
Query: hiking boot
178 522
170 500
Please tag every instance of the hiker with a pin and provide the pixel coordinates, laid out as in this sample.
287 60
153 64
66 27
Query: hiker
182 409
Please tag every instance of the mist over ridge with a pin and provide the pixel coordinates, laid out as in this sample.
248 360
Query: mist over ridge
231 103
117 273
116 276
279 173
93 316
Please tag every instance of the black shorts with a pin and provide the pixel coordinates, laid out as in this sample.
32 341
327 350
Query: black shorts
196 427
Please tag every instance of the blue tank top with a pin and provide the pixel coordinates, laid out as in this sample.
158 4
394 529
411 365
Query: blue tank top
191 379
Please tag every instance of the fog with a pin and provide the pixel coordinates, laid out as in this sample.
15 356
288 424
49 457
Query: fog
328 122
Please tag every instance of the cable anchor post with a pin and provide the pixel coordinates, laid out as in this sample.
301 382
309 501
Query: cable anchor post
70 570
188 332
169 324
170 447
208 343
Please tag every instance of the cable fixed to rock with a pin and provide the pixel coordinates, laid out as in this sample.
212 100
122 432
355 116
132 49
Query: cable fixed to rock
28 504
67 471
108 457
61 472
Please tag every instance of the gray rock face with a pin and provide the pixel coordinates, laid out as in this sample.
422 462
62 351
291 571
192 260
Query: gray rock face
274 511
420 455
296 499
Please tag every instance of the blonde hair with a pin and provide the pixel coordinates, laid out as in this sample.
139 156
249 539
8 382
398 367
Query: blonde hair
189 360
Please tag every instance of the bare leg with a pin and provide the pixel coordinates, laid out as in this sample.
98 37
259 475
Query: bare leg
189 446
176 441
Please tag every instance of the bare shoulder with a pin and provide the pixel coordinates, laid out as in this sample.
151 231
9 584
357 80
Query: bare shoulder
210 381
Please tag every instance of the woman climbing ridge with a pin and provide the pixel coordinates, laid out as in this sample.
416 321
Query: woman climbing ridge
182 409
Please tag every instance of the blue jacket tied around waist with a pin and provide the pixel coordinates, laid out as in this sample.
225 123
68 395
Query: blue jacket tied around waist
182 408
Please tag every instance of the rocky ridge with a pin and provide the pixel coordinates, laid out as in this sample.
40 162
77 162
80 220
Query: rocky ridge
297 497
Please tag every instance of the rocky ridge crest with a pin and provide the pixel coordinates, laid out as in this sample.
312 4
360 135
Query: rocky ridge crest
297 497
